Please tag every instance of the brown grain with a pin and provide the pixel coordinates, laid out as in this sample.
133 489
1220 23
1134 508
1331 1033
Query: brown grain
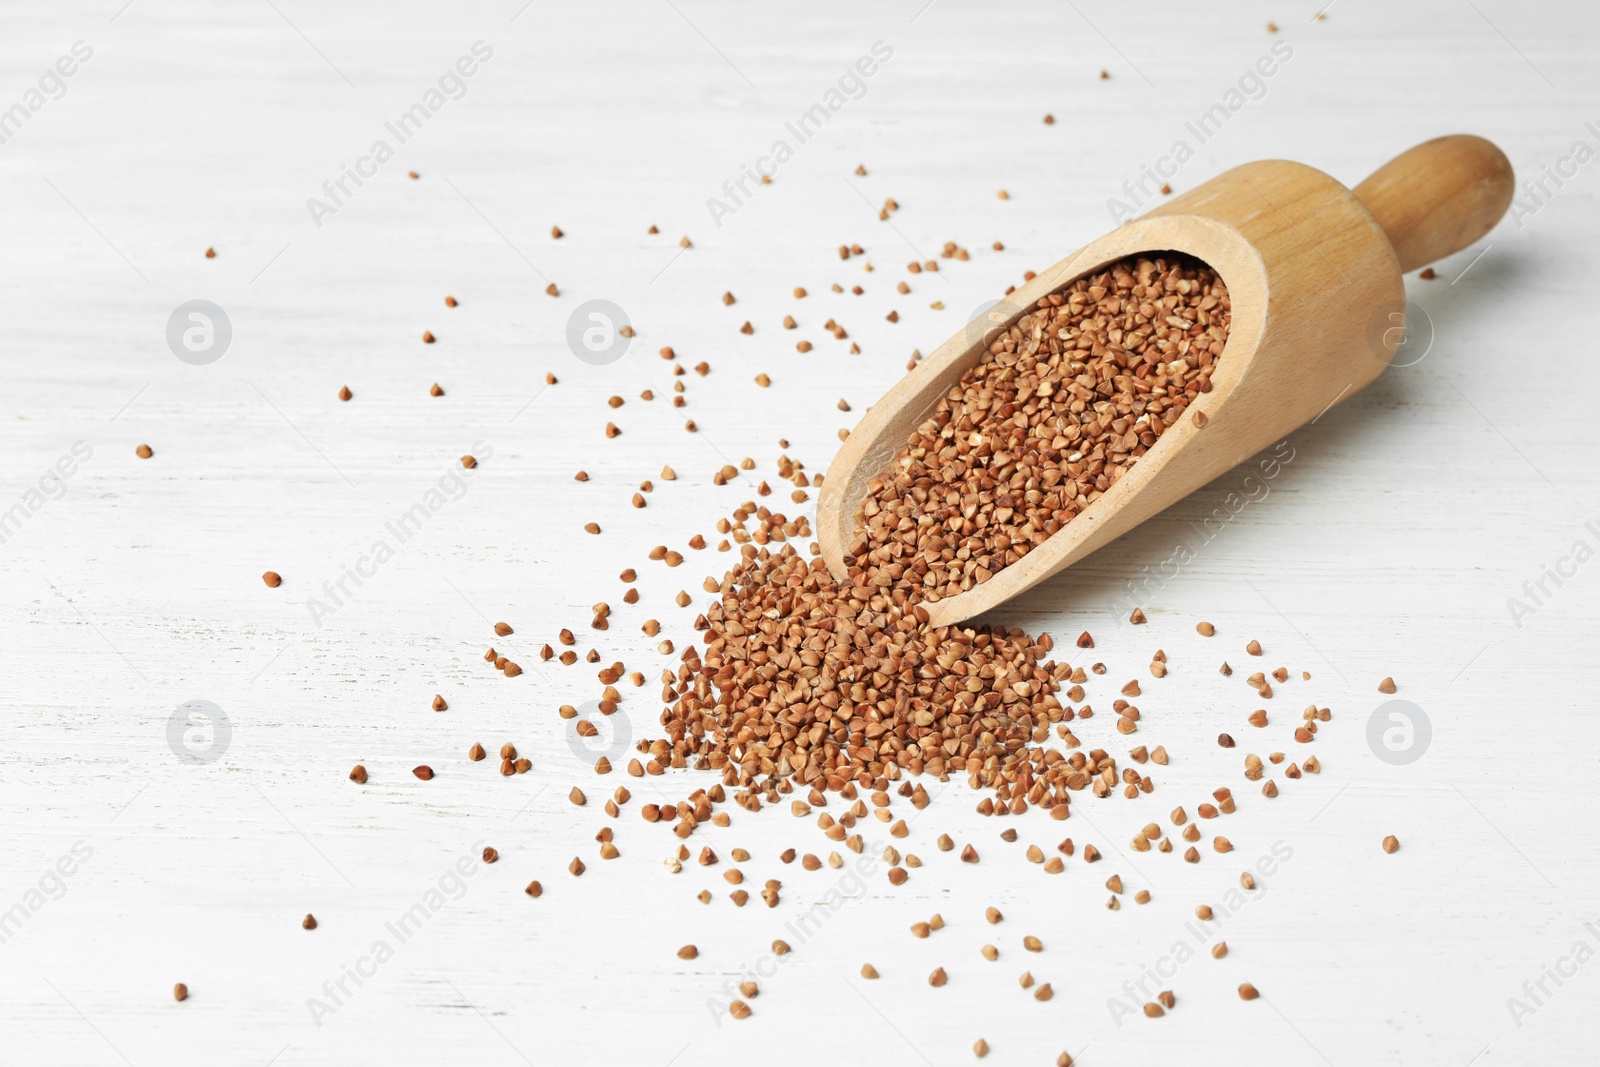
1060 406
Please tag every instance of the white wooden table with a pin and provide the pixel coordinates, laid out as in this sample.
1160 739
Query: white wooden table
1390 545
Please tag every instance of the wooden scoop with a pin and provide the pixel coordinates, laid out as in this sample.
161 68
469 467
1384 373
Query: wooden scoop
1313 270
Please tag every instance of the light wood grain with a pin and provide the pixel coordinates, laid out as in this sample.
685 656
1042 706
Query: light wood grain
1439 197
1318 313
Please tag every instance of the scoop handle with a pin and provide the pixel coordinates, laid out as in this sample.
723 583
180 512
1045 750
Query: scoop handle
1439 197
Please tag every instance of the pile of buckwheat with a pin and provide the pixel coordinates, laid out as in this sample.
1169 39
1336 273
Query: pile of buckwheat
805 685
826 682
